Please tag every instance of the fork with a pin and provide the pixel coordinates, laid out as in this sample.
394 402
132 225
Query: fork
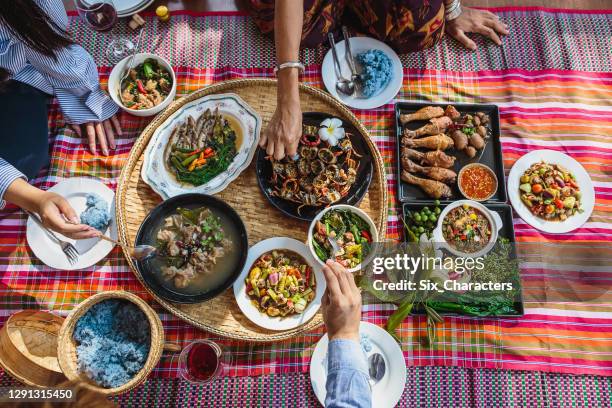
67 248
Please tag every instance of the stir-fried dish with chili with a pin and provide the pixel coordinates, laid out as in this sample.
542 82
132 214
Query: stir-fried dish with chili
146 86
550 191
281 283
191 242
466 229
200 149
351 233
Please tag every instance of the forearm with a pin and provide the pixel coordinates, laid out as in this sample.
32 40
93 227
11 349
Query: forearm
23 195
347 379
288 20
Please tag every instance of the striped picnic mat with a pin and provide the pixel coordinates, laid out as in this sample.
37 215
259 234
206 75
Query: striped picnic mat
553 84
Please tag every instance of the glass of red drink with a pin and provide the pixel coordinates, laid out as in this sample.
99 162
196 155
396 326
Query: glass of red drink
101 15
202 361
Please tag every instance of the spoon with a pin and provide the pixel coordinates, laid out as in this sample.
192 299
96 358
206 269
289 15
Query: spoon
355 77
139 252
343 85
376 368
334 245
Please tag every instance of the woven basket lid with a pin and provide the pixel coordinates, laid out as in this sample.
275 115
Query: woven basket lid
28 348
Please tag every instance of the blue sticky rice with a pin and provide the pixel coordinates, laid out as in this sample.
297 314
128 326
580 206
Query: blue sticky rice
96 213
113 340
377 69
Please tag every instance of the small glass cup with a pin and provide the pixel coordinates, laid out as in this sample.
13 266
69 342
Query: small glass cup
188 366
101 15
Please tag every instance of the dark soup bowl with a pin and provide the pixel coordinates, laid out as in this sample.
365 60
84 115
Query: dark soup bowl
184 270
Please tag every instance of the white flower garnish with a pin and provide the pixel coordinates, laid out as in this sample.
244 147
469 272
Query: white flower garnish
331 131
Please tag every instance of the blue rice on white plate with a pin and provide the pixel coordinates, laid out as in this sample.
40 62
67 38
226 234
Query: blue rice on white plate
377 69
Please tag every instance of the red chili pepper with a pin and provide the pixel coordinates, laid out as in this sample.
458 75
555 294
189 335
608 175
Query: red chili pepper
558 203
366 235
307 275
194 152
463 237
141 87
208 150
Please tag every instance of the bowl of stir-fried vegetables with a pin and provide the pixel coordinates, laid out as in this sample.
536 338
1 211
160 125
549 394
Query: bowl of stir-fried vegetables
351 229
279 287
149 87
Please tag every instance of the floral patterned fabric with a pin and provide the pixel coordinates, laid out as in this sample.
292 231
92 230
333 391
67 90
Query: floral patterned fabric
406 25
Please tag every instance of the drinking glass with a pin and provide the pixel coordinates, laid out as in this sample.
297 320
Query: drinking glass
101 15
202 361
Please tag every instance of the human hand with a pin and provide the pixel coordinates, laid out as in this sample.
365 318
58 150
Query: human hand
104 131
56 214
341 303
282 135
476 21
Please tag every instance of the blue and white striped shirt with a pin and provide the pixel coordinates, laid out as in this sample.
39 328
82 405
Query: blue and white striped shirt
72 79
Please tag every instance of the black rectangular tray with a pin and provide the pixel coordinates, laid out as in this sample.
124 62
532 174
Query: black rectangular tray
507 231
491 156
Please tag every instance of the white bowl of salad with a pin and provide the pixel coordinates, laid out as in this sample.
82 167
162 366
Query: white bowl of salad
149 88
351 229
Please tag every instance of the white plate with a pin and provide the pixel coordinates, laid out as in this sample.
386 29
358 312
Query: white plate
126 8
278 323
154 171
359 45
90 250
131 7
385 393
582 179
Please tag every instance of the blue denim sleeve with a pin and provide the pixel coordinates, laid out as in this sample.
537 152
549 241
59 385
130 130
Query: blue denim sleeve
347 376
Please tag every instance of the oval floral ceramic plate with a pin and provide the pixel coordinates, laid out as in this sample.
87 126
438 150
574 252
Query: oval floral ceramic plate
154 170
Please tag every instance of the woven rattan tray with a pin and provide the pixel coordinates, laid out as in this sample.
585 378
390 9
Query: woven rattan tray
134 200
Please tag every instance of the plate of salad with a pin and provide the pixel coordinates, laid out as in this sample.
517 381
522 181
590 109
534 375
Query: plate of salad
345 234
279 288
551 191
202 147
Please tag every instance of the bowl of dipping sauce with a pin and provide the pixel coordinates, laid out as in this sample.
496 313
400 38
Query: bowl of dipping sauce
477 182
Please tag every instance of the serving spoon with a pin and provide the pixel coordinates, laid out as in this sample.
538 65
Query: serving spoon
343 85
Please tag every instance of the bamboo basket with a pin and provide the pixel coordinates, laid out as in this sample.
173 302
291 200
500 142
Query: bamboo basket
28 348
134 199
66 351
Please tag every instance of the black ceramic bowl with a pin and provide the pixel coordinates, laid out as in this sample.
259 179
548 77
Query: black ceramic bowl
354 195
147 235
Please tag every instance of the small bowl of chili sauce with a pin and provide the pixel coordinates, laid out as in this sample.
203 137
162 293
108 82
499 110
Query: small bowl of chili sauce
477 182
201 361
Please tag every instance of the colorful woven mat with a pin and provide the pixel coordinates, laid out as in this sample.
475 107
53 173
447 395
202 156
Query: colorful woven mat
553 84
